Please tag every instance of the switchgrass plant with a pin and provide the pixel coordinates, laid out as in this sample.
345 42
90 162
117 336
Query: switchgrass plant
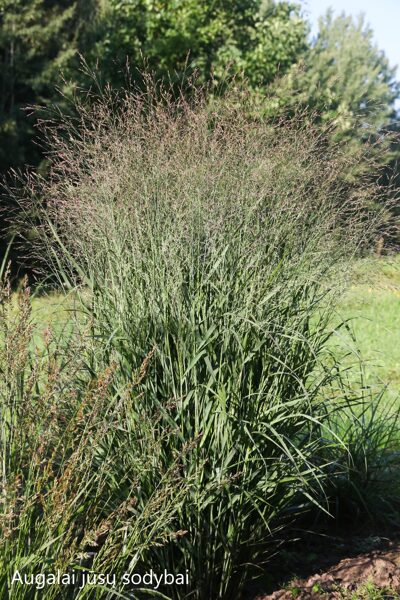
211 242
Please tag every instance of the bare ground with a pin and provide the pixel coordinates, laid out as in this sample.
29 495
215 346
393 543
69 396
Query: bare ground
342 569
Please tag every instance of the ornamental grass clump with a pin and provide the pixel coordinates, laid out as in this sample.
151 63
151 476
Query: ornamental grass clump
215 241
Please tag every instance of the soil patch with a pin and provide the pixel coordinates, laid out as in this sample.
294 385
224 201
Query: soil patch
341 568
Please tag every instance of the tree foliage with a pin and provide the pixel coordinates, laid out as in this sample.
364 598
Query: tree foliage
37 41
345 78
258 38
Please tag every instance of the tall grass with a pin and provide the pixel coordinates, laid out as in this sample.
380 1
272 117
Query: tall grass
71 479
212 243
365 483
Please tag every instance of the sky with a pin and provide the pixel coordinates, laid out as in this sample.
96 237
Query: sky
382 15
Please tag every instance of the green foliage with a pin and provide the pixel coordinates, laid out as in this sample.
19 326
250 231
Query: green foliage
369 591
261 39
74 482
39 40
207 241
346 79
366 482
36 42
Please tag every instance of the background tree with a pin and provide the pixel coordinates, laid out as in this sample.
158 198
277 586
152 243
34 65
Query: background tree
345 79
37 41
259 38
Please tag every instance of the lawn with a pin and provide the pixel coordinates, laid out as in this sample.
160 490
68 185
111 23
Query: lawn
52 312
372 305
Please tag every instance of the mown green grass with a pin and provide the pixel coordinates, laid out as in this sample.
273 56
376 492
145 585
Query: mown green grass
372 307
51 313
